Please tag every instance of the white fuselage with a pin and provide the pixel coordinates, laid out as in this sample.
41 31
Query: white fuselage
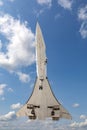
41 59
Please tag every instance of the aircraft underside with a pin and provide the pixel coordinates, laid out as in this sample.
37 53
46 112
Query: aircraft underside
43 104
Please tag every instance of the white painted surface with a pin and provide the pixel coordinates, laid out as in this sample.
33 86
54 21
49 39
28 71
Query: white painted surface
42 94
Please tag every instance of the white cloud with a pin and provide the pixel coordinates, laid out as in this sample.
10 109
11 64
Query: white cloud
20 48
66 4
1 3
83 30
16 106
9 116
2 87
82 15
83 116
76 105
79 124
83 124
74 124
25 124
45 2
23 77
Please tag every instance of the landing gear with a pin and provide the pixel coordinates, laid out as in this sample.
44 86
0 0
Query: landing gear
33 115
52 113
32 108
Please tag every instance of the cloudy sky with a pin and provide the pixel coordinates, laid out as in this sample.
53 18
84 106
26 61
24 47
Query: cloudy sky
64 26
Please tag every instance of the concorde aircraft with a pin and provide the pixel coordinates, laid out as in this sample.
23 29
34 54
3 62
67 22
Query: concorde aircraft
42 103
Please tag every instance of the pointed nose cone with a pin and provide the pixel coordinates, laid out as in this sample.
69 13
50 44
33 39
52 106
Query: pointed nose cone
39 36
37 25
38 30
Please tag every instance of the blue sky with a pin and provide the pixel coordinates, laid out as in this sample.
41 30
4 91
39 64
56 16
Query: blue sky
64 27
